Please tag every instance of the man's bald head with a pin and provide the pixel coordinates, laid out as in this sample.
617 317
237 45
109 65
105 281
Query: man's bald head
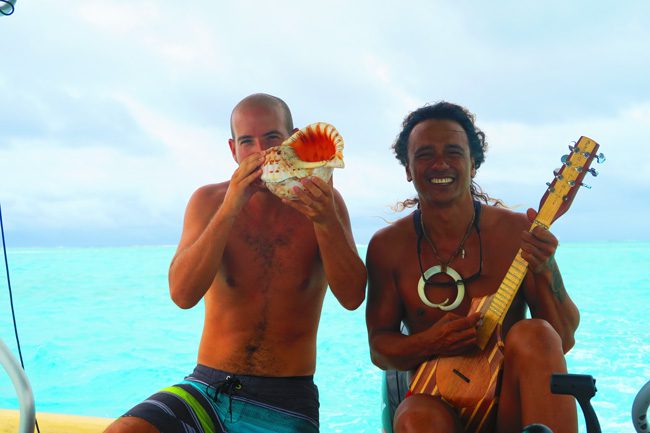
264 100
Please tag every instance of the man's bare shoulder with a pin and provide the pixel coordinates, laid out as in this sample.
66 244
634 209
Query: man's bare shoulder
388 240
212 193
502 217
337 196
204 202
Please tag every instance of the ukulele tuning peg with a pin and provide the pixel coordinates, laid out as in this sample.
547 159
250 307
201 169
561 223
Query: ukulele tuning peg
574 148
593 172
550 188
557 174
564 159
585 185
600 158
571 182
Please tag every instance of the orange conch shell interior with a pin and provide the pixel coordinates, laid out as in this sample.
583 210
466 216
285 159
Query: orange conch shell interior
312 151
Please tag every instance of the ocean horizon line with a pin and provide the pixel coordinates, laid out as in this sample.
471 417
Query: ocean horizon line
358 245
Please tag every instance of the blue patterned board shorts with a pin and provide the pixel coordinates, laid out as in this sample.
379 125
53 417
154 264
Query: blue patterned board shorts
214 401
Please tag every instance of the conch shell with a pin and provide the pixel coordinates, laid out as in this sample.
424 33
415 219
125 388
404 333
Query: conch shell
315 150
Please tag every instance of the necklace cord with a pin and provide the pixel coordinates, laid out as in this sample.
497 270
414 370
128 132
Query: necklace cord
419 229
461 245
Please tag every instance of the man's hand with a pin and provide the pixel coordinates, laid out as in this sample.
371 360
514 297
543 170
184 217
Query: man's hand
454 334
242 183
537 246
315 200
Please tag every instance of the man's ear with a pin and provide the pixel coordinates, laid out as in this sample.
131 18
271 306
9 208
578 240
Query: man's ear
473 172
231 143
408 173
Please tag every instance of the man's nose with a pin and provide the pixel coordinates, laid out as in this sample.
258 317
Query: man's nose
258 145
439 163
266 144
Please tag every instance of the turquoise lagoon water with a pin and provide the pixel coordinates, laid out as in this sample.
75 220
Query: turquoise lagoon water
99 333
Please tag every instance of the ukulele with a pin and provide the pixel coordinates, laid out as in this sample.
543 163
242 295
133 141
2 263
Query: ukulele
469 382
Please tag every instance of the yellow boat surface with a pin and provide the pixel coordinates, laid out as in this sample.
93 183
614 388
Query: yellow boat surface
55 423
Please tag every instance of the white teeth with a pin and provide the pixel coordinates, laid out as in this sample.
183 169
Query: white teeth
441 180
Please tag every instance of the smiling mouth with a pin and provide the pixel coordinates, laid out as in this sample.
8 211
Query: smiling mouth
441 180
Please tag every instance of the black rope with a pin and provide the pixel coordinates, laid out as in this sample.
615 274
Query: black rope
11 8
11 298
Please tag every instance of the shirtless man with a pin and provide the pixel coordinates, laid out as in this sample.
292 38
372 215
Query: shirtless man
262 266
441 149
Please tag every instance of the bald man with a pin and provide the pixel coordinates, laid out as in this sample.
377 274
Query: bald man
262 266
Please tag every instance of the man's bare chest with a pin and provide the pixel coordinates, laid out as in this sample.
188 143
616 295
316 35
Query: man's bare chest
428 292
271 246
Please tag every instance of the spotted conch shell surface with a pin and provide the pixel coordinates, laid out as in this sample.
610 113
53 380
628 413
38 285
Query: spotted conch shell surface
315 150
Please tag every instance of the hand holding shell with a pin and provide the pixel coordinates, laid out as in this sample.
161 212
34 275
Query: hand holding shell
315 150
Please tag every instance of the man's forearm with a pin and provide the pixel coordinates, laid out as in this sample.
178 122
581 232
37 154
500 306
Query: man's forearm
344 269
194 267
550 301
396 351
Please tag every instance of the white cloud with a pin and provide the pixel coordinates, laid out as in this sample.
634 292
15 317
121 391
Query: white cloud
120 19
180 40
59 187
529 151
133 113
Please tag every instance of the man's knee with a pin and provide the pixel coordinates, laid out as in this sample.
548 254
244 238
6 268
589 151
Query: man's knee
424 413
131 425
533 339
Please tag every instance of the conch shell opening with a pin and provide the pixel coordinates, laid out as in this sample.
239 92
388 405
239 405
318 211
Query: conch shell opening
315 150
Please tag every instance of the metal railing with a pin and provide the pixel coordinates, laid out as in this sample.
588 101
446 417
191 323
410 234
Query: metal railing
23 389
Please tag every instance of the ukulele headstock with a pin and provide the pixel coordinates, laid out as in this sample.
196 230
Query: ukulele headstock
567 179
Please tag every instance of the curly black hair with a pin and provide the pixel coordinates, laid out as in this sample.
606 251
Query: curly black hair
445 111
442 111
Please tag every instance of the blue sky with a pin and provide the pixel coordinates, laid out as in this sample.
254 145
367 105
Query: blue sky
113 113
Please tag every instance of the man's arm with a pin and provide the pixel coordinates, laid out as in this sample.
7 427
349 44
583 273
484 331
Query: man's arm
205 233
389 348
544 289
344 269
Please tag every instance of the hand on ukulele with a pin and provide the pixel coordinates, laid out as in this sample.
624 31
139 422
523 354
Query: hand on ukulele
537 246
453 334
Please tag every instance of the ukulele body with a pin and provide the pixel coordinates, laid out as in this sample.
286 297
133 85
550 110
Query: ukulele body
469 382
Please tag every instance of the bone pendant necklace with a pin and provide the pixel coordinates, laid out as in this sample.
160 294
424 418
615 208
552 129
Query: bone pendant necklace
444 268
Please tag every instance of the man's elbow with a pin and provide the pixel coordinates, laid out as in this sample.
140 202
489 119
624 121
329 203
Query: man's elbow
378 360
351 294
178 290
568 341
393 363
182 300
351 303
